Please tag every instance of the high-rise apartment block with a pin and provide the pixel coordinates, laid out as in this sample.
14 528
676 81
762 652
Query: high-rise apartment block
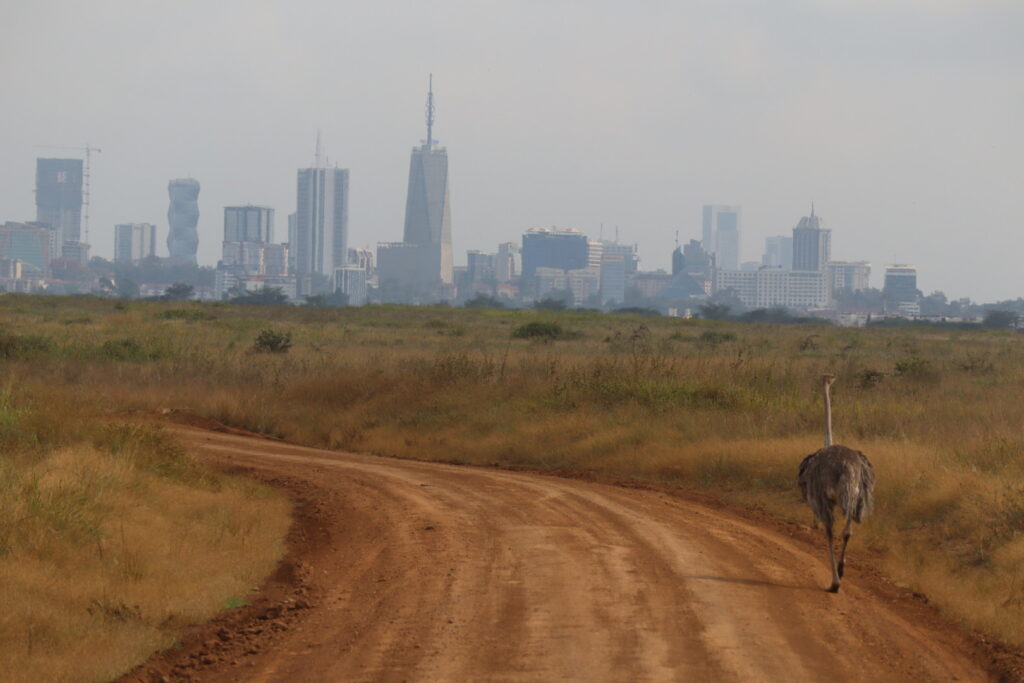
561 248
694 261
508 264
900 290
134 242
358 256
721 234
350 280
248 224
812 243
59 200
778 252
481 266
321 221
850 276
29 243
183 217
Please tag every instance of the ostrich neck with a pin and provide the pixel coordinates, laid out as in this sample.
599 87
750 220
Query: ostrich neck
828 418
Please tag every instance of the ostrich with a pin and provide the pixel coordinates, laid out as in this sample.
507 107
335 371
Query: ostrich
836 475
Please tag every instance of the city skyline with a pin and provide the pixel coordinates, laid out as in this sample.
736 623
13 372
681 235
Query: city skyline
898 119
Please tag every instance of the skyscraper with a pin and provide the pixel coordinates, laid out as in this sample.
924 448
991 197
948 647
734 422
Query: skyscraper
900 289
561 248
134 242
427 207
183 217
59 199
721 234
778 252
812 243
321 220
248 224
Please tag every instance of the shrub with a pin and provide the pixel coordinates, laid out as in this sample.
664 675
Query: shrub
809 343
869 378
272 341
913 367
184 314
714 338
539 330
21 345
125 349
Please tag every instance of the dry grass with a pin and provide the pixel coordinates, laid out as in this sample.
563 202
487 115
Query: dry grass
727 408
112 540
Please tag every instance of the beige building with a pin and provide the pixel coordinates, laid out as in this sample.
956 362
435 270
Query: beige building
772 288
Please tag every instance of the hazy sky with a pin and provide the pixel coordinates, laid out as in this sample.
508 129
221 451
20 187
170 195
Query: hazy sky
901 119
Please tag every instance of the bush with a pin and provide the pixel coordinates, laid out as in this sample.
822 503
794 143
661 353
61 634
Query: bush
714 338
914 367
125 349
21 345
539 330
184 314
272 341
869 378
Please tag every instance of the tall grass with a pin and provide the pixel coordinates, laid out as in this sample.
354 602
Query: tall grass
112 539
722 407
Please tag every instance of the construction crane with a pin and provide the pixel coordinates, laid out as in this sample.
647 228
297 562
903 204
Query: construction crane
85 181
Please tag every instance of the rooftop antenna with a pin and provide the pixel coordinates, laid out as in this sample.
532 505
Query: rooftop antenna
319 150
601 232
616 234
677 238
812 208
430 113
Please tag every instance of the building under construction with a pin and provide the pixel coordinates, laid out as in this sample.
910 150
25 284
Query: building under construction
59 200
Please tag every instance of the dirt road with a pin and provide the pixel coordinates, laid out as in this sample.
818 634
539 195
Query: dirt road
413 571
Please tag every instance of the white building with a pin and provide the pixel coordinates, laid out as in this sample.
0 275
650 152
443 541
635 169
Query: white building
771 287
351 280
852 276
321 221
508 264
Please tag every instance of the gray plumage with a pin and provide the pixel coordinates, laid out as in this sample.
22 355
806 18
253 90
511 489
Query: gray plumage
836 476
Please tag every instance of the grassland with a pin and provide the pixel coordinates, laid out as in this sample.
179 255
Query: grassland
726 408
112 539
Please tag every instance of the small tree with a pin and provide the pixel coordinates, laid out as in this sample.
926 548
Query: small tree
482 300
1000 320
266 296
179 291
551 304
713 311
272 341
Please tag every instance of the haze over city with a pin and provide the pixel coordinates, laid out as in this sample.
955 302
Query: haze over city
899 119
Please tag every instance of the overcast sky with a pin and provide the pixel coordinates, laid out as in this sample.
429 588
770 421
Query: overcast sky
901 119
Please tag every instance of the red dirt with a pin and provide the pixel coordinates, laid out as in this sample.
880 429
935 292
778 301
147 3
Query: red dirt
404 570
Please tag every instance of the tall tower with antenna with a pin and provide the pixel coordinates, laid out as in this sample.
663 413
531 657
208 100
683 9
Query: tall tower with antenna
428 209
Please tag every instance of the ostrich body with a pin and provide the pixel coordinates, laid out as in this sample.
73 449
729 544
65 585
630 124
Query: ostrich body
836 476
